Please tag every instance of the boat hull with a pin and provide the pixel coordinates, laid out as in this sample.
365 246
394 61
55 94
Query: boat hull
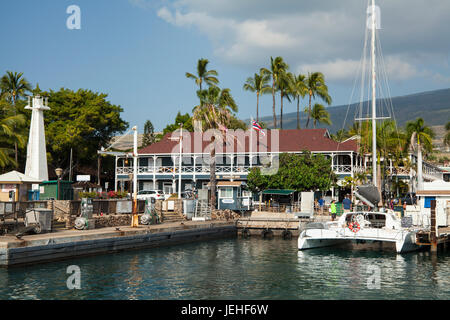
389 240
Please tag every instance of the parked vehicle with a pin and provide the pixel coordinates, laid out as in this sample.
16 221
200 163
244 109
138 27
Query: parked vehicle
147 194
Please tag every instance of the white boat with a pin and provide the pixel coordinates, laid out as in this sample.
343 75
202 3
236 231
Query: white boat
365 230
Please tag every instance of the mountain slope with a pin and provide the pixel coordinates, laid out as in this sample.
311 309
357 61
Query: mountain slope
432 106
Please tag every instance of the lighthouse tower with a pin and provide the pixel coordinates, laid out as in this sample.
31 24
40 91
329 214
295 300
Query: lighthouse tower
36 165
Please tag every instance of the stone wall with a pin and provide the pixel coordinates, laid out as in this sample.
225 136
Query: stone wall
226 214
61 209
114 220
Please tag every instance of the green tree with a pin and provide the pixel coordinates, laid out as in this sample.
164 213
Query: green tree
185 119
203 74
340 135
283 84
214 112
82 120
423 134
13 86
447 134
258 84
149 134
320 114
315 83
300 172
9 135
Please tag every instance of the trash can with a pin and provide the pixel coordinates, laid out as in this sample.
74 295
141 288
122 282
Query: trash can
41 218
188 208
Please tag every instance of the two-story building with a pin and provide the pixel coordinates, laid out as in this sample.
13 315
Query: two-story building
159 163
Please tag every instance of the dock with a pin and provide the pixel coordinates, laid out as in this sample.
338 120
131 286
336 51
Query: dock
65 244
268 224
440 240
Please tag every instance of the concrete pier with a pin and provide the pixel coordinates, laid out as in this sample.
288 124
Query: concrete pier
66 244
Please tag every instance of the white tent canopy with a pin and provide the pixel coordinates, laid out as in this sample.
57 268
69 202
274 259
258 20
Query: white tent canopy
15 177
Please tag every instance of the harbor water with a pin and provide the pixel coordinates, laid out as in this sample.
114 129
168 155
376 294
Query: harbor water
236 269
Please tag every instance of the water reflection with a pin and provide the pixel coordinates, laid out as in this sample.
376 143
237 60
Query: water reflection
236 269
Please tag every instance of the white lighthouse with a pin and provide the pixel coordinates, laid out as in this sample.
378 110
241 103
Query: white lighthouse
36 165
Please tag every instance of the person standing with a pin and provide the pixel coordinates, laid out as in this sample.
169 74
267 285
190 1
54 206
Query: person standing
347 203
333 210
321 204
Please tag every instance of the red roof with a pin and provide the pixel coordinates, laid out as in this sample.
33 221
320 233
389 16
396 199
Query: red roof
314 140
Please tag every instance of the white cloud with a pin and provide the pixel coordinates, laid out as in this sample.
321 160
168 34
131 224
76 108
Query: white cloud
318 35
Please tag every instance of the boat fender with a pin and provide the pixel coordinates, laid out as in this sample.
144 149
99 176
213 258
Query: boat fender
267 234
287 235
245 233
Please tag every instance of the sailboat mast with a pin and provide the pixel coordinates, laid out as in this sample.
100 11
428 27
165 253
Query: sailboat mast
374 111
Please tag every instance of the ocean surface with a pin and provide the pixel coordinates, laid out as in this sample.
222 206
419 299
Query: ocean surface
235 269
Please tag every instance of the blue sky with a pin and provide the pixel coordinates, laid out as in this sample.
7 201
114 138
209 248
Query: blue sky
138 51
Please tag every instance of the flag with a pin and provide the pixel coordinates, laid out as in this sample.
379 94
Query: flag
223 128
257 127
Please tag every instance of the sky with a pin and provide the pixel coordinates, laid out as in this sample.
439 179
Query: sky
138 51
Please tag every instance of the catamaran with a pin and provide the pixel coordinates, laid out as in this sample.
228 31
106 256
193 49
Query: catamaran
368 229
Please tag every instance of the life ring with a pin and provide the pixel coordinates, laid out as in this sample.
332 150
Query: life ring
354 226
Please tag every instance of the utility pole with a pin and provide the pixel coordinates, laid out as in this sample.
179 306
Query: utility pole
180 161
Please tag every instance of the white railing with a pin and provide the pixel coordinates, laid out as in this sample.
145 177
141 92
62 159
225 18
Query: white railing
240 169
185 170
342 168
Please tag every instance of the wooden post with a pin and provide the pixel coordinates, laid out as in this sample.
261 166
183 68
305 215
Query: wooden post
433 237
260 200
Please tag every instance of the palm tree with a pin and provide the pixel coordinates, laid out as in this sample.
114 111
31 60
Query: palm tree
258 84
418 131
298 90
277 65
204 75
283 85
9 135
13 86
315 83
340 135
320 114
214 112
447 135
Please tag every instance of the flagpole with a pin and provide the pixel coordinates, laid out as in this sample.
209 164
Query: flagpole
251 141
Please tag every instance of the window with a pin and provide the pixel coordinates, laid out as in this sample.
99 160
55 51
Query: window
428 201
246 193
167 188
226 193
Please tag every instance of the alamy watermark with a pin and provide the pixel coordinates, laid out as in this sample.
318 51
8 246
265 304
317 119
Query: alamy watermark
74 20
74 280
374 279
236 147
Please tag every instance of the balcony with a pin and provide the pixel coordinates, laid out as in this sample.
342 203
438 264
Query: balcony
185 170
238 170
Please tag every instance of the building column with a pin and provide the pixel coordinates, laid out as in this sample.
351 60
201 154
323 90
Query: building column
231 166
115 175
154 172
193 171
332 161
351 164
